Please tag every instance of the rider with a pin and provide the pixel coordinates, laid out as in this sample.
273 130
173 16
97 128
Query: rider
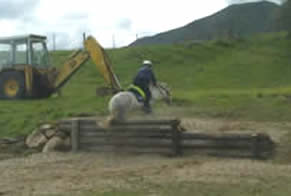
143 79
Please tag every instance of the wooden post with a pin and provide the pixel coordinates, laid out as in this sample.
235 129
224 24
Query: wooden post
75 135
256 146
176 138
264 147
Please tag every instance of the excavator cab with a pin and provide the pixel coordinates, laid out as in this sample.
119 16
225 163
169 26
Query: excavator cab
24 50
25 69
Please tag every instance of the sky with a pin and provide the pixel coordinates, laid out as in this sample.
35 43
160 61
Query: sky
112 23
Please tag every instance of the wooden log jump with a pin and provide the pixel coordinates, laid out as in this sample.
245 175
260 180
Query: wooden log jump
162 136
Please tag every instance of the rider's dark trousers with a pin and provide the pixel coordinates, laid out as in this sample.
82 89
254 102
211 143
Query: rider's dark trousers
148 94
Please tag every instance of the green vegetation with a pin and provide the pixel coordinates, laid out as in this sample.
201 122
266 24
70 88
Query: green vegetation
243 79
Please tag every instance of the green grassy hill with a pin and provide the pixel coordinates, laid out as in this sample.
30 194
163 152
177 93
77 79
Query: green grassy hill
241 79
238 20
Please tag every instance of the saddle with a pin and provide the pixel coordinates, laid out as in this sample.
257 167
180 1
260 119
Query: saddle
138 93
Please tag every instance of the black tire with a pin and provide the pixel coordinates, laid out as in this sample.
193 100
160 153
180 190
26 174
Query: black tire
12 85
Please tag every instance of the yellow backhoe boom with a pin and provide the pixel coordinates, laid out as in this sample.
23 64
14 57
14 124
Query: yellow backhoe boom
100 58
73 63
94 50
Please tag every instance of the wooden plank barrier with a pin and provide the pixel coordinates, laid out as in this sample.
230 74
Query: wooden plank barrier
162 136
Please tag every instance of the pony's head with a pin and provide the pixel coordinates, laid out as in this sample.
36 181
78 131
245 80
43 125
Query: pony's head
161 92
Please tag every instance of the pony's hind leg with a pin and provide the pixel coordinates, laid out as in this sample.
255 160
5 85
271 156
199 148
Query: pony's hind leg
121 115
115 117
109 121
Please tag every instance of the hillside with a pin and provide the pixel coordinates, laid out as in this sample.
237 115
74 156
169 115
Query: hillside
236 21
243 79
283 17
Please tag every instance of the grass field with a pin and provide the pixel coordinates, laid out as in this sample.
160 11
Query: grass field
234 79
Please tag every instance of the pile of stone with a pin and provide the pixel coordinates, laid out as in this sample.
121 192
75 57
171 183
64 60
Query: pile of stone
48 138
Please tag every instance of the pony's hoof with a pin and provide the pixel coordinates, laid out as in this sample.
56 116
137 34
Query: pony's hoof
108 122
115 121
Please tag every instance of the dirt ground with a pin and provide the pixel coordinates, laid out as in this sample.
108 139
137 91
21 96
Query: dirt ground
74 174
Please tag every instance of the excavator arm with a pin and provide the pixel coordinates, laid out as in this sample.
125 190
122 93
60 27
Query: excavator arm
102 61
72 64
98 55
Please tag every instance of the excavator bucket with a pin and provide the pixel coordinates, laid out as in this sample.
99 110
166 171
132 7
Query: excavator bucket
100 58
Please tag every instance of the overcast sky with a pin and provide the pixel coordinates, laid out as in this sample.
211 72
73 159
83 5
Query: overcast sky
111 22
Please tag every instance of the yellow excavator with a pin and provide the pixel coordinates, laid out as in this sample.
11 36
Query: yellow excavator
26 72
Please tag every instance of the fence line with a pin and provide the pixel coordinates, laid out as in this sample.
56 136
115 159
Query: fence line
162 136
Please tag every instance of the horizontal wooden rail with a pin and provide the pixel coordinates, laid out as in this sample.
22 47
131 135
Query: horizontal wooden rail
161 136
147 122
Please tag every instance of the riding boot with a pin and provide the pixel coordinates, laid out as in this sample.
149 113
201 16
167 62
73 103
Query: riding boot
147 107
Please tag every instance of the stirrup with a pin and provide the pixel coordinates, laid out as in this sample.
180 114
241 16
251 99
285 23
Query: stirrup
147 110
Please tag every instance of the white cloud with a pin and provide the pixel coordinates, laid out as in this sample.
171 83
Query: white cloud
109 21
17 9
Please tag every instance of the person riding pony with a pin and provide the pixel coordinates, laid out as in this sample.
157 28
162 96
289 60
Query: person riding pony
141 84
140 95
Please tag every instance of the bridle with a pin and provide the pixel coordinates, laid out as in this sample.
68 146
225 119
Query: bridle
163 90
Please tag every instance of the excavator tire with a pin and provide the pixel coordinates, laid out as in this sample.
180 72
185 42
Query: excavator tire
12 85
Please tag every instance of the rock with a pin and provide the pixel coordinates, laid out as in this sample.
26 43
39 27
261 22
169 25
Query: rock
36 139
50 133
62 134
46 127
55 144
48 138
